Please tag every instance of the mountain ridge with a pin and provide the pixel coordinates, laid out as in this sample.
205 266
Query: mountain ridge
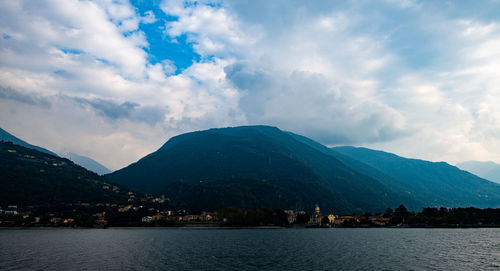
395 185
260 153
87 163
31 177
434 183
8 137
488 170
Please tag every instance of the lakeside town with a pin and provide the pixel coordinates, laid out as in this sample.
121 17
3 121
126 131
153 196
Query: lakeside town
149 211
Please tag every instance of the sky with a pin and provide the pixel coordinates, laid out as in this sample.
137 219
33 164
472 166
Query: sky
114 80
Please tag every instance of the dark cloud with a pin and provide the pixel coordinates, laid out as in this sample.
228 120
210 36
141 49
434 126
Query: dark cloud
311 104
126 110
108 108
32 99
245 78
149 114
103 107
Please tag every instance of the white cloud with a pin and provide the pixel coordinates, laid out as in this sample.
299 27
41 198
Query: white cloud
79 68
78 71
312 76
213 30
404 3
149 17
454 108
42 27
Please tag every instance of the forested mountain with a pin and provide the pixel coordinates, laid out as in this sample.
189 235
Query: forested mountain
248 167
7 137
407 198
31 177
253 166
487 170
433 183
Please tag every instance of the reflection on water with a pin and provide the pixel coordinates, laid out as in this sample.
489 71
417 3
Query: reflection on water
245 249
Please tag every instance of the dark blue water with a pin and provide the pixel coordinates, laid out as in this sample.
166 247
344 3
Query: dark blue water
262 249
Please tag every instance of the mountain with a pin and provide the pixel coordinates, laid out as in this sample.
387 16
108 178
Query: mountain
253 166
31 177
397 186
87 163
7 137
487 170
435 184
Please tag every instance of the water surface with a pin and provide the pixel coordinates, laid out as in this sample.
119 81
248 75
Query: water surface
249 249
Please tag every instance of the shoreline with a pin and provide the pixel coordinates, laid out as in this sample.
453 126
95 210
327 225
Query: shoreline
218 227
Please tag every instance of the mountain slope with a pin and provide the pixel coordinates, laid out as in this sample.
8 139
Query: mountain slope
487 170
284 171
31 177
435 184
7 137
397 186
87 163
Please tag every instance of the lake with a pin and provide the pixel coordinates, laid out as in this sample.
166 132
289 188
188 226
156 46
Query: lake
250 249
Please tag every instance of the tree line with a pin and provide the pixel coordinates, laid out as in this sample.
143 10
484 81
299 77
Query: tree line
431 216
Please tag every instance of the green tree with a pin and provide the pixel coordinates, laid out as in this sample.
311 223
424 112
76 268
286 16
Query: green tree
256 217
231 216
302 218
85 220
325 221
280 218
388 212
400 215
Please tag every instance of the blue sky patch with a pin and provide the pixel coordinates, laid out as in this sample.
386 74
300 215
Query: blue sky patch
161 46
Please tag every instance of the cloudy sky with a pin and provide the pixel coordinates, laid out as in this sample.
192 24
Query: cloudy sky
113 80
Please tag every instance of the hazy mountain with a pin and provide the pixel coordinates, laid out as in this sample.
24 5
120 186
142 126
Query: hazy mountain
487 170
31 177
7 137
87 163
253 166
434 184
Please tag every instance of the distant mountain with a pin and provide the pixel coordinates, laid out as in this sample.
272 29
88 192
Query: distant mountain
253 166
434 184
7 137
87 163
31 177
487 170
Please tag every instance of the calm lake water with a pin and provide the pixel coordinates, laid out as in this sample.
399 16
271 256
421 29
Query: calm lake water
250 249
